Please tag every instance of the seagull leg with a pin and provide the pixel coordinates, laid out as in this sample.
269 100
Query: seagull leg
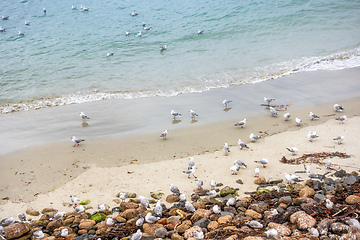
194 176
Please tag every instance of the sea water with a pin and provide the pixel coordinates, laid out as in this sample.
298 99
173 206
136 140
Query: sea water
62 57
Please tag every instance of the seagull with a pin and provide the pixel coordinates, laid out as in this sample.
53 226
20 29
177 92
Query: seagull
339 139
241 123
287 116
313 116
174 189
2 29
123 196
253 137
175 114
226 102
74 200
147 28
226 149
307 167
7 221
79 209
182 197
101 207
139 222
341 119
38 234
73 7
134 14
240 163
109 221
293 178
5 17
212 184
328 164
143 24
313 175
85 9
144 201
64 232
293 150
273 112
191 163
58 216
242 144
77 141
273 212
193 114
22 217
254 224
163 48
298 121
212 193
216 209
83 117
127 33
234 169
313 232
21 33
338 107
27 23
262 161
268 100
164 134
158 210
198 234
353 222
190 172
150 218
44 10
329 204
110 54
271 233
311 136
231 202
199 183
137 235
256 171
189 207
138 34
200 31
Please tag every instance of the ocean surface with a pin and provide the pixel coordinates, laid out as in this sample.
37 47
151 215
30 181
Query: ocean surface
62 57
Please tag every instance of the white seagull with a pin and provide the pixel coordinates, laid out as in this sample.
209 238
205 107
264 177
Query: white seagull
127 33
77 141
79 209
139 222
158 210
38 234
150 218
21 33
241 123
329 204
293 150
298 121
242 144
73 7
212 193
256 171
262 161
175 114
199 183
189 206
231 201
313 232
328 164
226 149
268 100
193 114
144 201
287 116
339 139
64 232
254 224
164 134
311 136
226 102
163 47
273 112
134 14
191 163
138 34
338 107
123 196
216 209
198 234
174 189
83 116
27 23
74 200
5 17
313 116
147 28
190 172
271 233
254 137
240 163
58 216
341 119
234 169
200 31
137 235
22 217
101 207
110 54
212 184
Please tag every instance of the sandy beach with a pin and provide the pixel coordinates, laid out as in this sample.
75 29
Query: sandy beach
96 171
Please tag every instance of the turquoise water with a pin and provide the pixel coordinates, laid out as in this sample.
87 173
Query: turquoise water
62 58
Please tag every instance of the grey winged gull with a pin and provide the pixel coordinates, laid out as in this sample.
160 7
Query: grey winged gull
242 144
175 114
76 140
338 108
313 116
241 123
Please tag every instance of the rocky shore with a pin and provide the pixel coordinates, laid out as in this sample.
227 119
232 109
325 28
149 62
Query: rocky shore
326 208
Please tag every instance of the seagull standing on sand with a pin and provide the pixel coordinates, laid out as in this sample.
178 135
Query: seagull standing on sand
189 207
293 150
313 116
144 201
273 112
193 114
174 189
83 117
199 183
339 139
226 149
150 218
311 136
338 108
341 119
242 144
293 178
190 172
234 169
212 184
164 134
328 164
268 100
137 235
240 163
77 141
254 137
263 161
74 200
191 163
256 171
241 123
175 114
298 121
123 196
226 102
287 116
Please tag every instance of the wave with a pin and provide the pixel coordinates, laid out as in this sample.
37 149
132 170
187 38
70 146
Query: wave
336 61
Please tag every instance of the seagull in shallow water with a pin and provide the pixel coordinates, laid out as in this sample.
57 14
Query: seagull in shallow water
189 206
110 54
193 114
143 24
341 119
137 235
339 139
240 163
338 107
175 114
287 116
234 169
190 172
268 100
254 137
21 33
273 112
147 28
127 33
138 34
311 136
313 116
163 48
200 31
242 144
298 121
134 14
83 117
191 163
44 10
164 134
2 29
174 189
293 150
226 149
77 141
5 17
226 102
27 23
262 161
73 7
241 123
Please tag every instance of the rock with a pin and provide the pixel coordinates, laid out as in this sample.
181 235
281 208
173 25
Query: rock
82 232
183 227
339 228
172 198
260 180
189 233
350 180
259 207
16 230
316 185
213 225
253 214
224 219
231 210
285 199
253 238
282 230
128 205
341 173
307 192
48 210
32 212
239 181
176 236
86 224
352 199
318 197
157 195
173 219
120 219
353 233
54 224
129 213
199 214
195 197
303 220
199 205
160 232
226 191
150 228
323 227
202 223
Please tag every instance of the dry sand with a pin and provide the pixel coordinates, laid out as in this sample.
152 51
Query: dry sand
46 176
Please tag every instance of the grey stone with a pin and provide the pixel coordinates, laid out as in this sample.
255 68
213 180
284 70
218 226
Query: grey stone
329 187
202 223
329 181
239 181
350 180
341 173
160 232
227 213
318 197
285 199
317 185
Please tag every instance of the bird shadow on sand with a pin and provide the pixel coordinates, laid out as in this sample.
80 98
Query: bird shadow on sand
84 124
227 109
194 121
176 121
